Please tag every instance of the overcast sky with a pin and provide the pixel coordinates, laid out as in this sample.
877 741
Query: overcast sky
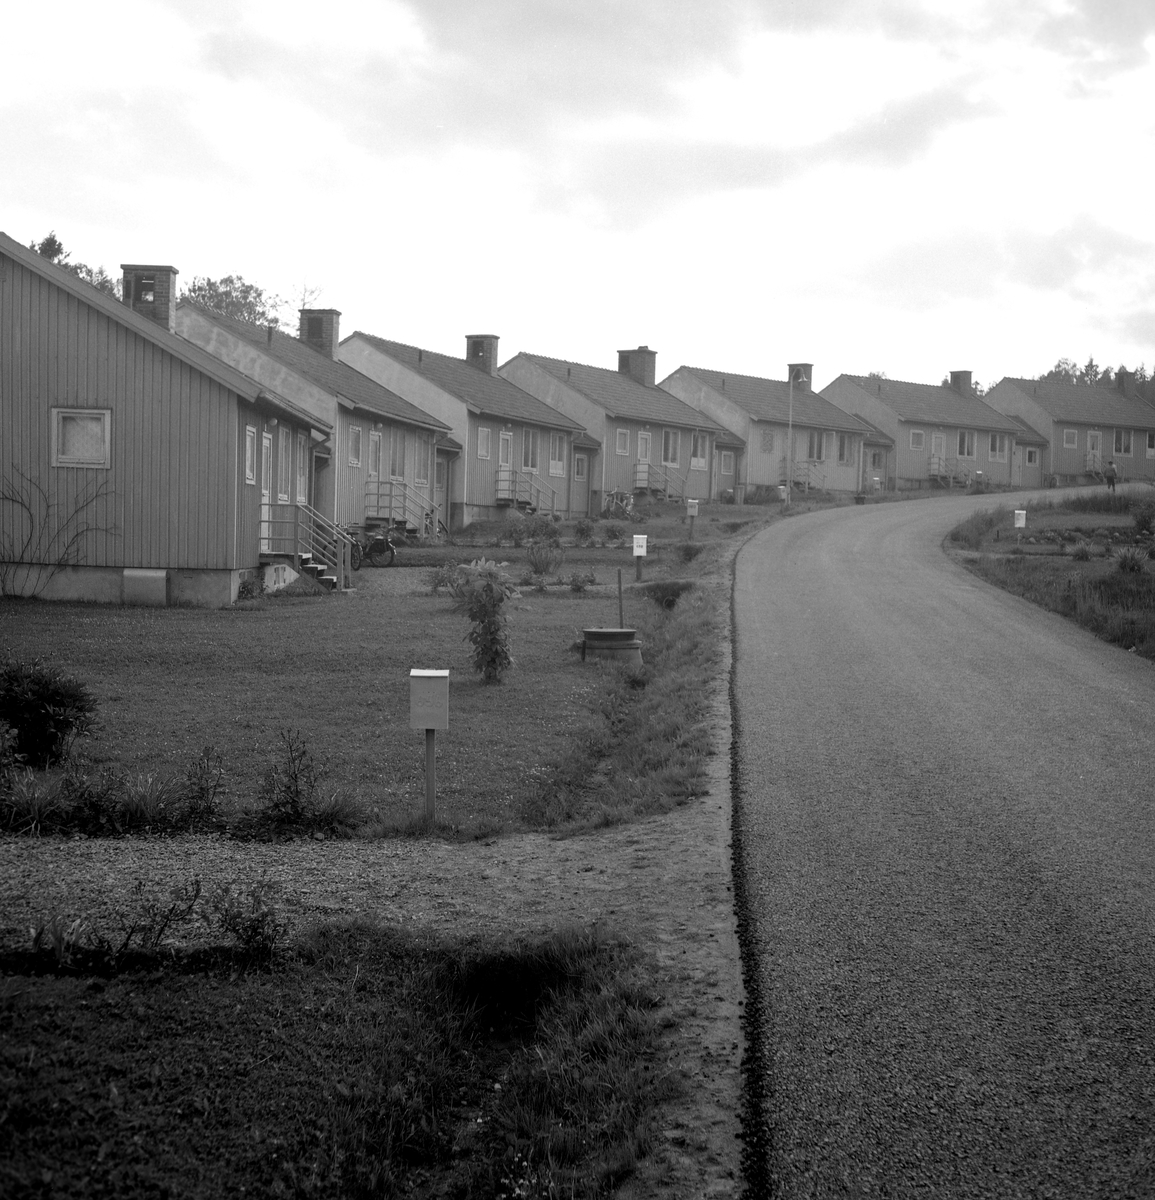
907 186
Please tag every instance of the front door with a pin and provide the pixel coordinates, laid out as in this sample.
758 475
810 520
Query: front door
266 489
1094 450
581 484
505 466
1017 466
441 488
937 453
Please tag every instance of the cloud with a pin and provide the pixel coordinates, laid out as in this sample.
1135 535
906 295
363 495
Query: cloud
1105 34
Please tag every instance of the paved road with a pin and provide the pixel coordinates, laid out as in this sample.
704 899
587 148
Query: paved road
948 834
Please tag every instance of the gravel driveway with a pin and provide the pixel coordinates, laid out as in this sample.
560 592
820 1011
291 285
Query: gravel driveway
947 839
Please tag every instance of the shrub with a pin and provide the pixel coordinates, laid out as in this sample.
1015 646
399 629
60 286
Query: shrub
614 533
1081 552
291 798
484 591
971 532
204 785
579 583
1143 514
544 558
540 528
150 802
251 917
447 576
45 708
1131 561
690 550
666 593
584 530
31 804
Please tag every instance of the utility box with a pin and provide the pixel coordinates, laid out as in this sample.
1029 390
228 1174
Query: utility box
691 508
639 545
429 699
1020 518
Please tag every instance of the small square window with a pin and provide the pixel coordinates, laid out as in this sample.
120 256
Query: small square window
622 441
917 439
1070 439
483 442
727 462
81 437
1032 457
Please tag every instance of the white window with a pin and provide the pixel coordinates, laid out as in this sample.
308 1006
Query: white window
354 445
966 443
671 447
998 447
483 442
374 454
397 454
81 437
1070 439
284 465
1151 445
622 441
580 466
844 448
424 446
1123 442
557 453
302 468
529 450
440 473
727 462
697 451
816 445
1032 457
250 454
767 441
917 439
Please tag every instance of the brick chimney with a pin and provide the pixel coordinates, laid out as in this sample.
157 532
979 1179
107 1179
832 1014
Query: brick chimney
960 381
802 374
321 329
481 351
640 364
151 291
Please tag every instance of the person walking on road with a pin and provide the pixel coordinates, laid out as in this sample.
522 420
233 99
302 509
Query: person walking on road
1111 475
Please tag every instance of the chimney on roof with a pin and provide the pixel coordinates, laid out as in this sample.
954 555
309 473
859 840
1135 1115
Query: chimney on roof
640 364
481 351
802 374
960 381
151 291
321 329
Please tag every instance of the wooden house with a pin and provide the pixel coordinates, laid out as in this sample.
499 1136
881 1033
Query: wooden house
135 466
832 450
652 441
518 454
388 462
943 435
1083 427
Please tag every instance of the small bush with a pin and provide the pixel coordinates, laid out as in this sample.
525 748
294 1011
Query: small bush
666 593
971 532
614 533
579 583
203 788
584 531
1143 514
1130 561
291 800
447 576
31 804
483 593
251 917
690 550
1081 552
544 558
45 708
539 528
150 802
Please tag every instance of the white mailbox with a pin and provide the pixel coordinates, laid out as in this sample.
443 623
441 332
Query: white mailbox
691 508
1020 518
429 699
639 545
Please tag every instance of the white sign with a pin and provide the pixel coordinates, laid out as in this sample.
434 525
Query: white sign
428 699
639 545
1020 518
691 508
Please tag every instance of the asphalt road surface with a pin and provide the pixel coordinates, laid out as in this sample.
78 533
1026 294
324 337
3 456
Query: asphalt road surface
946 820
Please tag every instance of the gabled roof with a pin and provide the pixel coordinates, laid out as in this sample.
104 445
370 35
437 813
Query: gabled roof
1086 405
934 404
337 378
874 435
477 389
769 400
200 360
1028 436
624 397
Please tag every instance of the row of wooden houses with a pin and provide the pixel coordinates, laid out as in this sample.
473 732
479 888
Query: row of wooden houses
153 450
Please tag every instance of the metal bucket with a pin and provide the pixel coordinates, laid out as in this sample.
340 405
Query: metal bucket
619 644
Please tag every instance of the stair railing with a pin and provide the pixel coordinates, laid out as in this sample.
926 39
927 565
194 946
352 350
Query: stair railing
395 501
321 540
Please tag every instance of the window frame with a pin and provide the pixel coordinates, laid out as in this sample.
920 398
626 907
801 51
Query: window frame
997 448
421 466
557 461
251 454
1125 443
1151 444
845 455
920 434
373 466
302 467
820 443
671 438
1032 455
484 441
354 459
766 441
284 464
877 460
727 457
967 444
621 441
698 441
581 467
101 463
1070 439
530 458
397 450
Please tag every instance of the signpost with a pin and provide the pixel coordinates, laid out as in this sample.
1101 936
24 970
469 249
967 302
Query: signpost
429 710
639 553
691 512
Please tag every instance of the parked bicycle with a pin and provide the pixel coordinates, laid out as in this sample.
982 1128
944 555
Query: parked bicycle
620 503
376 546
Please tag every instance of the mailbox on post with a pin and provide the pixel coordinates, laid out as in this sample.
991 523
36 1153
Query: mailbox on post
691 512
639 554
429 710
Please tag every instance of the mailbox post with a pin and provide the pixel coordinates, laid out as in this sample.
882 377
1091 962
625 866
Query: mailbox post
691 512
429 710
639 554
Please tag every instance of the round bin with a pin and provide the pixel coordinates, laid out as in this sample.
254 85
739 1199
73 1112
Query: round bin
619 644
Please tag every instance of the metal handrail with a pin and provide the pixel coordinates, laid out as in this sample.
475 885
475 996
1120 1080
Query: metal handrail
395 501
303 532
524 487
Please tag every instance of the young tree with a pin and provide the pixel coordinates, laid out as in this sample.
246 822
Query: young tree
52 248
1090 372
1064 371
234 297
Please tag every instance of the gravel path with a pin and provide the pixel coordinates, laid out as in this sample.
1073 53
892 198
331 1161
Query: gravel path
948 842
